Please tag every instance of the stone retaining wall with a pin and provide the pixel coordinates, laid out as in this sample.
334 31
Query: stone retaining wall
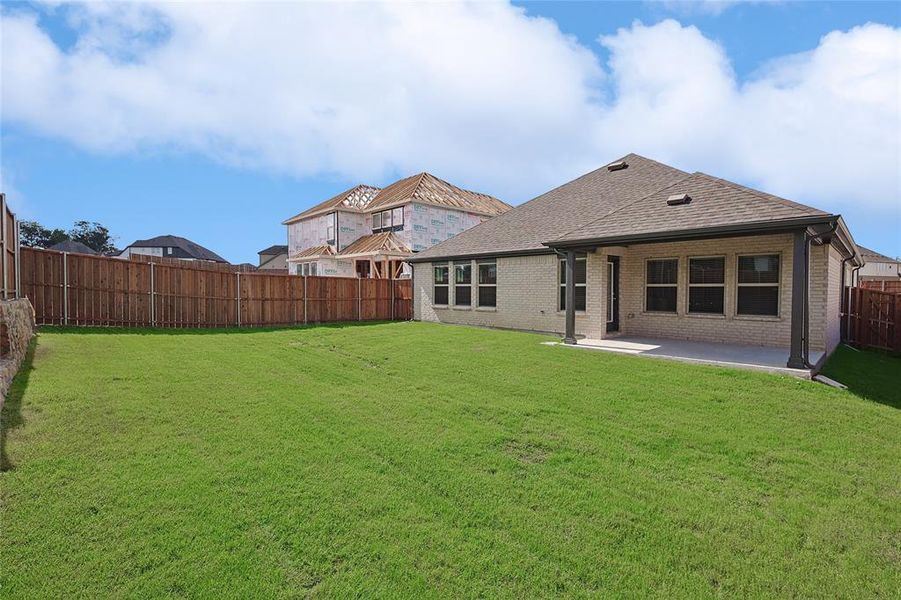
16 329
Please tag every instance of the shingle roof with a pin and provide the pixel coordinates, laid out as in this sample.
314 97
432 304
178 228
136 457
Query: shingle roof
873 256
714 203
356 198
425 188
73 246
186 248
385 242
551 215
274 250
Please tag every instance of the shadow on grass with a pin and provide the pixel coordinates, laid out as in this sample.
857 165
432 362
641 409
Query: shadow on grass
869 374
90 330
11 416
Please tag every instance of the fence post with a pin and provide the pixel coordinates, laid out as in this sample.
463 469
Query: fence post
305 293
152 299
18 260
65 288
3 228
238 296
359 298
392 283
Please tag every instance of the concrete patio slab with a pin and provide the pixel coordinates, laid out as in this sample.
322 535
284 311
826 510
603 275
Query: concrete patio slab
726 355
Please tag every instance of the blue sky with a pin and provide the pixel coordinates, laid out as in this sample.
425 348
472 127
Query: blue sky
157 120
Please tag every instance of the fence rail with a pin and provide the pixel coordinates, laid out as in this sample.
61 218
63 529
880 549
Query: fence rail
80 289
892 286
870 319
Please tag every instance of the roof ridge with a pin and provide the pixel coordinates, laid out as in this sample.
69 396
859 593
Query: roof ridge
418 183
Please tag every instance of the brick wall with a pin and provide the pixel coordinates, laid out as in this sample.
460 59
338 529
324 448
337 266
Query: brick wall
727 328
527 288
527 291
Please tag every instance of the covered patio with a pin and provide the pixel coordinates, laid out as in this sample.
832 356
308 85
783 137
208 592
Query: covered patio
727 355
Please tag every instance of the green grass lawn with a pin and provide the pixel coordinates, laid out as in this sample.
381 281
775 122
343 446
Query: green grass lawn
410 460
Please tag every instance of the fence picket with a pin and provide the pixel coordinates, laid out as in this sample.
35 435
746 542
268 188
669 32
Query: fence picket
98 290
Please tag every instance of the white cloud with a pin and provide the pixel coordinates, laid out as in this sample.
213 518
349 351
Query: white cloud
706 7
481 94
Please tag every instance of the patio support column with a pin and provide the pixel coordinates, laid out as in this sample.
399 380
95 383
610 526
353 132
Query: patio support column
799 293
570 331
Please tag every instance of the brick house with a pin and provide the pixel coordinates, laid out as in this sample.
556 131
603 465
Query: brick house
369 232
641 248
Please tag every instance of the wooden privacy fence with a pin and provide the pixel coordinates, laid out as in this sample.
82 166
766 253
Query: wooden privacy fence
870 319
79 289
9 248
892 286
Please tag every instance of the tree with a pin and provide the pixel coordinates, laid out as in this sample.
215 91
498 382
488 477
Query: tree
94 236
37 236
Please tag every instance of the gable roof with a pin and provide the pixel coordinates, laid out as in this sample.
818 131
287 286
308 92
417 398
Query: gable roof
525 228
274 250
873 256
376 243
356 198
714 203
425 188
183 247
314 251
73 246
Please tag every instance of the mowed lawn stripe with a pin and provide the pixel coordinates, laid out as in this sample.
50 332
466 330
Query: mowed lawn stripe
408 459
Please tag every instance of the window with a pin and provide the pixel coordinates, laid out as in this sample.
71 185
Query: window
388 220
706 285
581 277
441 283
488 283
330 229
308 268
462 284
660 291
758 285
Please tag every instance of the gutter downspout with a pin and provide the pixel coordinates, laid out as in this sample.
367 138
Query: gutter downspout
844 301
807 239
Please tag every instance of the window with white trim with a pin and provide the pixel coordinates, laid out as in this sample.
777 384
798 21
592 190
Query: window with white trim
758 285
308 268
706 285
388 220
463 284
487 283
662 276
440 287
330 229
581 277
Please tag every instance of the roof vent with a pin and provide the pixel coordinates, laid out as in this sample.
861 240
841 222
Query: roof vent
617 166
678 199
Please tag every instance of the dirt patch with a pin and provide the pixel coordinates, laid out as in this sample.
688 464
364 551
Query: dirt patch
528 453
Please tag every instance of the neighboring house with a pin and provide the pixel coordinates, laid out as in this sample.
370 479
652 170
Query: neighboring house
644 249
72 246
273 258
369 232
878 267
171 246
